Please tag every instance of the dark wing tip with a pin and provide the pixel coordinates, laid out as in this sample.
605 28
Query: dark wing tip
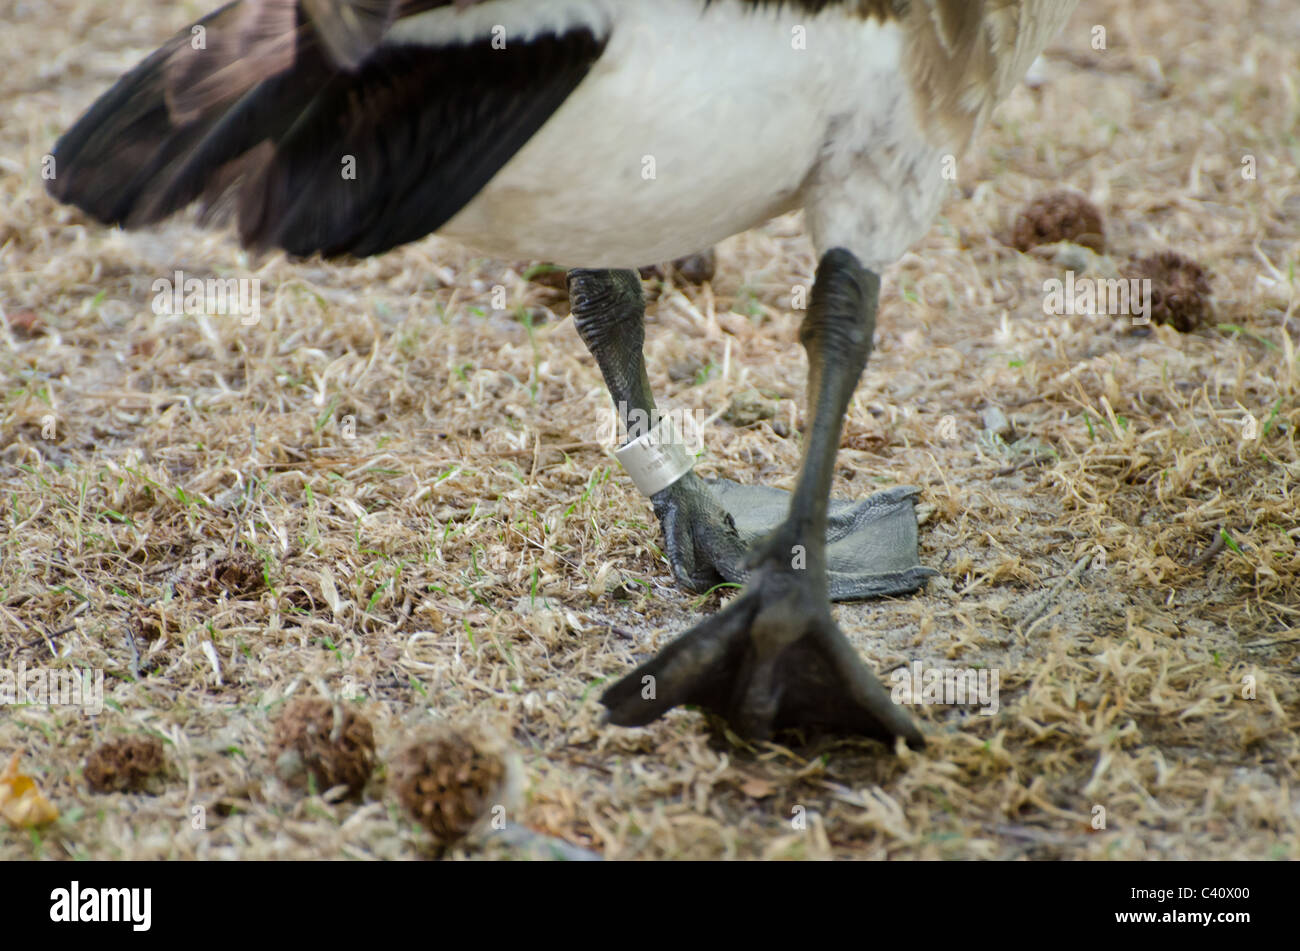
259 102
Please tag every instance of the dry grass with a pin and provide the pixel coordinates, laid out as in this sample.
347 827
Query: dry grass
199 525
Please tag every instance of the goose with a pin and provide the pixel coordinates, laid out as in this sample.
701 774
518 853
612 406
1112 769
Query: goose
518 127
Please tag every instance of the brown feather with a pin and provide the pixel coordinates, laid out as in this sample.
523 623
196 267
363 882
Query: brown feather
965 56
351 29
245 44
249 42
962 56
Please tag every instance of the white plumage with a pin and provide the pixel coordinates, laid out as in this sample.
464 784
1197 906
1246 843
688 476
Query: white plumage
676 140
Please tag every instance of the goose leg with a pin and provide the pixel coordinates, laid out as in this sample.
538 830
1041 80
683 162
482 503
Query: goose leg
710 525
774 658
699 534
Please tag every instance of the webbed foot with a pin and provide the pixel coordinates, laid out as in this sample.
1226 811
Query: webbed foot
773 659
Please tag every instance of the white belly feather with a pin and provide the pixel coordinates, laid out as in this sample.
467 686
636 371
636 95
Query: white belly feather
698 123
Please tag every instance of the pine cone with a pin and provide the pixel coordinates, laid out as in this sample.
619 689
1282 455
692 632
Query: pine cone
450 782
125 764
238 575
1059 216
309 741
1180 290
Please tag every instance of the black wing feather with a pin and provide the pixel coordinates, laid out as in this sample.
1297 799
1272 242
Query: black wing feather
426 129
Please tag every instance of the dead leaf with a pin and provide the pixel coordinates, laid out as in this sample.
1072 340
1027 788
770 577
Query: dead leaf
21 801
328 591
25 324
756 787
864 435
